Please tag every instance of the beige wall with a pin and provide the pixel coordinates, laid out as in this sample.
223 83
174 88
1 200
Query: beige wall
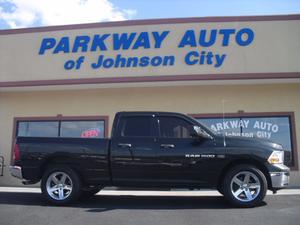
185 99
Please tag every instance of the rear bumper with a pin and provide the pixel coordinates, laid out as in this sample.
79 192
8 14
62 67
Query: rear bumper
16 171
280 179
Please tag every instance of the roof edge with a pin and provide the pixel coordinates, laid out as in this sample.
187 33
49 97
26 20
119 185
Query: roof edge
151 22
145 79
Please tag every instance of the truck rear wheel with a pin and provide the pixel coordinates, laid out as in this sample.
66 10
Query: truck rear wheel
60 185
245 186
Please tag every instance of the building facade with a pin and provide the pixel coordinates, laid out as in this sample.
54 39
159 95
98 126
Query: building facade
238 75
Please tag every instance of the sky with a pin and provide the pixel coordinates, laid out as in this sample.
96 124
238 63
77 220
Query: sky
35 13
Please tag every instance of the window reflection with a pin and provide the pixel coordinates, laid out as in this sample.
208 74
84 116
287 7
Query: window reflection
273 128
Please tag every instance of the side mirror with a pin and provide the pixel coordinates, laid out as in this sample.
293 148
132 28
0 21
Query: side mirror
197 132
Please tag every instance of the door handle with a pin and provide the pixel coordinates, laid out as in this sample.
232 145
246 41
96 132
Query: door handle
167 146
124 145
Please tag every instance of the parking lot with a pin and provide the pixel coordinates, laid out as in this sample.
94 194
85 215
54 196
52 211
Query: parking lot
27 207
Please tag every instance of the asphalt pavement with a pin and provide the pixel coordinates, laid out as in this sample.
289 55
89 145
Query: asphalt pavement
27 207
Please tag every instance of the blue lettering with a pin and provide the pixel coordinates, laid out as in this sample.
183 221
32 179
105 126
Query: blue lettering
79 61
47 43
107 63
120 60
81 42
142 41
144 61
156 61
62 46
212 39
219 60
169 60
188 39
132 62
202 58
244 32
209 57
98 64
158 38
226 35
123 41
190 58
98 42
69 64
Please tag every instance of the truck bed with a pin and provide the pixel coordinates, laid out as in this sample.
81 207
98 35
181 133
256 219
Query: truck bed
88 156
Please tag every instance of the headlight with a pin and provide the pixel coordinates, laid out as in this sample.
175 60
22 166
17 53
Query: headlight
276 157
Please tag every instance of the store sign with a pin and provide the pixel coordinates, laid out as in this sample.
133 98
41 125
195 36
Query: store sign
98 43
163 50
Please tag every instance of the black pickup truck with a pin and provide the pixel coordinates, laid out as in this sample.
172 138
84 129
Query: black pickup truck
152 150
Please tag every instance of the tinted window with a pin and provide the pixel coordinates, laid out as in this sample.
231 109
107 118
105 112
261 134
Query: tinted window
173 127
84 129
38 129
136 126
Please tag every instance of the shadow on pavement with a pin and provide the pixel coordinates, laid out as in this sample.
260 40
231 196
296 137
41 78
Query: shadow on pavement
100 203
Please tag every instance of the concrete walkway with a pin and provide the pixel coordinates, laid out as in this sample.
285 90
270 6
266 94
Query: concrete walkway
174 192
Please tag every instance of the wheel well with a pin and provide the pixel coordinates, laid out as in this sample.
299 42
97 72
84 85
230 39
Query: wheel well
61 161
253 162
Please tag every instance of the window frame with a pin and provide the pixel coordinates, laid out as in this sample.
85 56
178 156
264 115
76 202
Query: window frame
58 118
242 114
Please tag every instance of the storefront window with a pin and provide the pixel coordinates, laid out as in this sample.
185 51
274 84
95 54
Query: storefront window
61 128
274 128
84 129
38 129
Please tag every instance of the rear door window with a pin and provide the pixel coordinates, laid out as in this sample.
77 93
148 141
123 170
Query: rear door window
136 126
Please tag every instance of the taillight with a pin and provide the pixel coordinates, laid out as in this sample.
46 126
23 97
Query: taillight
16 156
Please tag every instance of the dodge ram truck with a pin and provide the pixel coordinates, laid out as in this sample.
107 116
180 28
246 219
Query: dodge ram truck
152 150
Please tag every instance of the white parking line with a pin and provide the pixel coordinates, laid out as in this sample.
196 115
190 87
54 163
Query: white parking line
149 193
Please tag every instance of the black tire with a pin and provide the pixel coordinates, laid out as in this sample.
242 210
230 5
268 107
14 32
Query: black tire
70 191
91 191
252 192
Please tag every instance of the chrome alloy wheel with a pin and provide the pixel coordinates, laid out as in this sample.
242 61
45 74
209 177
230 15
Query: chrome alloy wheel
245 186
59 185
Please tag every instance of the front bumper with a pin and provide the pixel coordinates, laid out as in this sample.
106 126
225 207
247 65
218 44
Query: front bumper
16 171
280 179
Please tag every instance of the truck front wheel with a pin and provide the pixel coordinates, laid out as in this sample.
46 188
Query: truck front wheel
245 186
60 185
